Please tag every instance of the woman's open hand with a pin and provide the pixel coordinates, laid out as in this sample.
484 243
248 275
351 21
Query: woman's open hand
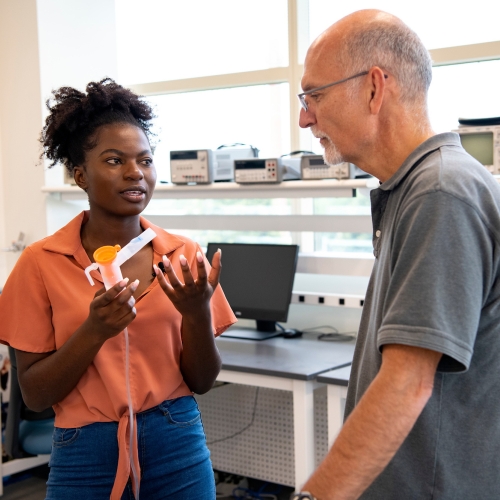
194 295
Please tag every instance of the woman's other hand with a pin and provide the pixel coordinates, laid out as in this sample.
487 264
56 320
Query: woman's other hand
200 359
192 296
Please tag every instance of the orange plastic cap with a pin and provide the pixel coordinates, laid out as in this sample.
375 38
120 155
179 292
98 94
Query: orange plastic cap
106 255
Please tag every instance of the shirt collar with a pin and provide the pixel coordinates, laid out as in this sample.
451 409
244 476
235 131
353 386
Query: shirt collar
164 243
432 144
67 240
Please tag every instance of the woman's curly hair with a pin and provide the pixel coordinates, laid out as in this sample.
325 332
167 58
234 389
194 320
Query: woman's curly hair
74 117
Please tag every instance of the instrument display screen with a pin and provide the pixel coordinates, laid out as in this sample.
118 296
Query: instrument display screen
479 145
184 155
247 164
316 162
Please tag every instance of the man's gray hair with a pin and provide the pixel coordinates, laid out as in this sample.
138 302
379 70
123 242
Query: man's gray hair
395 48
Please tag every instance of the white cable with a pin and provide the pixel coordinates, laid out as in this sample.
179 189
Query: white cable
131 416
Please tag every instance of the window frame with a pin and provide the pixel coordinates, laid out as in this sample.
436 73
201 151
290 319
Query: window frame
298 25
298 31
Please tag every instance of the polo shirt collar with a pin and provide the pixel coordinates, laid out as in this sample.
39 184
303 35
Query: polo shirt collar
432 144
67 240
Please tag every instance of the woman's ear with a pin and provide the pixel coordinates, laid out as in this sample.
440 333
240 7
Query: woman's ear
80 177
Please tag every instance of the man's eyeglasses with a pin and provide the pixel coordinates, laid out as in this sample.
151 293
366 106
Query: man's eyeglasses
302 97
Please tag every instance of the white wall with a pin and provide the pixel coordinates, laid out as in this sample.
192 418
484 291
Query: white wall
3 256
21 202
44 44
77 41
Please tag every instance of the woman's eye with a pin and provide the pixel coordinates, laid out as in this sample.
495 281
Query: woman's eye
113 161
147 161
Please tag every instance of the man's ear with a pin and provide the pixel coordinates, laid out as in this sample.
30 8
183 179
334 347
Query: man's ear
80 177
378 88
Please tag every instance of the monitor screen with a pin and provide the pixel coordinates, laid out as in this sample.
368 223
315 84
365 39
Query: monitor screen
479 145
257 280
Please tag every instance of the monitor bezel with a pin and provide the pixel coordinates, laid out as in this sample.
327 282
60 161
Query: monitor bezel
265 319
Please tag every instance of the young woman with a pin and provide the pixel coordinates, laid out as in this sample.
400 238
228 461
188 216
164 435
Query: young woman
70 344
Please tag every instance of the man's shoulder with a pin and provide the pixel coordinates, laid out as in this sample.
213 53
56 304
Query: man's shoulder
456 164
450 183
452 171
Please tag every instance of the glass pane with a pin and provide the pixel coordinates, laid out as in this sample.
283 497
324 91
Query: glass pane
439 24
344 243
161 40
463 91
257 115
205 237
359 205
340 244
275 206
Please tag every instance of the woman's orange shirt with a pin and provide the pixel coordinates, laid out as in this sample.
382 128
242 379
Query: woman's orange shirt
47 297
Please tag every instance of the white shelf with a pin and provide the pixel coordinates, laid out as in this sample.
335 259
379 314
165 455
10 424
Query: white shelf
325 188
315 223
307 263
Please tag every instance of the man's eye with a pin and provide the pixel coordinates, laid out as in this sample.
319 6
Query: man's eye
147 162
113 161
314 97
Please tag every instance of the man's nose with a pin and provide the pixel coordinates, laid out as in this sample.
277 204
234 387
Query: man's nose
306 118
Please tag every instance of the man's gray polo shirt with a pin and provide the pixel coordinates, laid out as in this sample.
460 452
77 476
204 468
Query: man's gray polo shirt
436 284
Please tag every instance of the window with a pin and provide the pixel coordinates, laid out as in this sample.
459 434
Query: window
256 115
228 72
164 40
342 242
183 209
439 24
460 90
463 91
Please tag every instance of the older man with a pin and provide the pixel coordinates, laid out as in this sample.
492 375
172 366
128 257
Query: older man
423 405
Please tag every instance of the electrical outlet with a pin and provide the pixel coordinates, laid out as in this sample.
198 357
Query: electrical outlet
328 299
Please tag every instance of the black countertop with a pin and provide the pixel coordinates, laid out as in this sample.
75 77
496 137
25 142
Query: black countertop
300 358
339 376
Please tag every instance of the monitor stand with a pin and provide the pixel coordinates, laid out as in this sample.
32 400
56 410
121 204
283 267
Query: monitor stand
265 330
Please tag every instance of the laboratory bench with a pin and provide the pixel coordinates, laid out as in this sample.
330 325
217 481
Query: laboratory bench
290 365
337 381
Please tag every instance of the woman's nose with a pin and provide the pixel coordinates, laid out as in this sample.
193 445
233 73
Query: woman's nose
132 171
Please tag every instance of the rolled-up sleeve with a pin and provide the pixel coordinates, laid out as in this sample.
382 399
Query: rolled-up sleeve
25 311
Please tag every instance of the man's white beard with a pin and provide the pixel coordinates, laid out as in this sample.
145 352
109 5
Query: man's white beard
331 154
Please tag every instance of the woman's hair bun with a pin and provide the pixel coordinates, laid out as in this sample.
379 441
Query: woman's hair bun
75 116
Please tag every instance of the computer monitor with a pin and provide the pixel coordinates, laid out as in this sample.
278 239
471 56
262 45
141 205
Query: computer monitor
257 280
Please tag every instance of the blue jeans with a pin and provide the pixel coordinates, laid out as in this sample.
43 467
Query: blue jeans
175 461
